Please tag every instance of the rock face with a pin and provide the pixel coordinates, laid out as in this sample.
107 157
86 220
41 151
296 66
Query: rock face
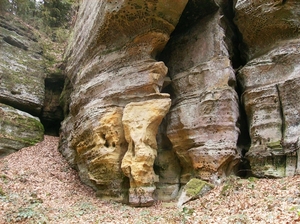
22 69
270 84
202 123
161 93
109 70
26 98
149 107
21 87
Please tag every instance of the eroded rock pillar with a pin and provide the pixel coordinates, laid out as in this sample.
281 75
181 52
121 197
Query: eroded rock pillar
203 119
140 121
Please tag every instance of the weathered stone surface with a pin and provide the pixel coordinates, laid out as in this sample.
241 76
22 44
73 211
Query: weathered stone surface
18 130
272 110
29 82
140 122
202 123
21 68
100 150
114 82
264 24
109 68
270 84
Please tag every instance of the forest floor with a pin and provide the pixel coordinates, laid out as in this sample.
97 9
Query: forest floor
38 186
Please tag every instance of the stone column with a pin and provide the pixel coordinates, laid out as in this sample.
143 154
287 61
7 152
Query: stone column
140 121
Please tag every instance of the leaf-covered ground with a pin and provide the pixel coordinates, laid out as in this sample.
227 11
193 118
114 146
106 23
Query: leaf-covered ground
38 186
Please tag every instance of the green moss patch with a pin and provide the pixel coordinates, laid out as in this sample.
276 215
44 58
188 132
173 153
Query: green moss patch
196 187
18 129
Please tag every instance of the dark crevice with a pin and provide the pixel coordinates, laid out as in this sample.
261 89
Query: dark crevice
237 60
281 114
194 11
236 41
106 144
52 113
15 42
25 106
244 139
132 148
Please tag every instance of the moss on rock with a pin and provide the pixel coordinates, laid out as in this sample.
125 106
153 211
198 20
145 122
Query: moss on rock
195 186
194 189
18 130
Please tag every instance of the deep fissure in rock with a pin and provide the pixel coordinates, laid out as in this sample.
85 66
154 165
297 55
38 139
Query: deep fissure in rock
52 114
194 12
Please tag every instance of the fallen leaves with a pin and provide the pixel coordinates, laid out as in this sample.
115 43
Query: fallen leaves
38 186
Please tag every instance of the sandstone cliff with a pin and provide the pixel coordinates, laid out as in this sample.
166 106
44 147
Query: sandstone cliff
152 98
29 91
158 93
269 83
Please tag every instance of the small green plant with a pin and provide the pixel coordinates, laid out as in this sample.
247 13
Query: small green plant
3 177
252 179
25 213
185 213
226 189
296 209
61 35
2 193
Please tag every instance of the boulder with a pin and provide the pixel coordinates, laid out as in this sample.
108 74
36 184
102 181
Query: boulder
195 188
18 129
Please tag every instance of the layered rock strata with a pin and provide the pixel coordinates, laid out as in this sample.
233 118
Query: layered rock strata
111 66
202 123
116 94
22 88
21 69
270 84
